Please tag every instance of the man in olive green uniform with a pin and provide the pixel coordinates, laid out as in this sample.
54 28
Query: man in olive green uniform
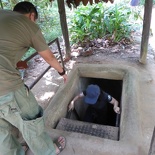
18 106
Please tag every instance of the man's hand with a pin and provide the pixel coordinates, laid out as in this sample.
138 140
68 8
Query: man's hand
65 78
117 109
71 106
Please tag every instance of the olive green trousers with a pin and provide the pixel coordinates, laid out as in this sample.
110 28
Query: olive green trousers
20 109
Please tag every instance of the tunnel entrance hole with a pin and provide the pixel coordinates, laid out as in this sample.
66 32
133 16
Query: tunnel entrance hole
74 120
112 87
129 128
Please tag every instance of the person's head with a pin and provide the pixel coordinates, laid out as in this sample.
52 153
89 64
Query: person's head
27 9
92 94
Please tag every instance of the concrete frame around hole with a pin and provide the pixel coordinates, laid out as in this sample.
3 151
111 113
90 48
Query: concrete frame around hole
130 130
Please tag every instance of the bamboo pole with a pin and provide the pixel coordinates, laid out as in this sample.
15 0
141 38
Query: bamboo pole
62 13
146 30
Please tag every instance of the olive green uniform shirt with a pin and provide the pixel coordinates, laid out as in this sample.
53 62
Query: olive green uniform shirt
17 34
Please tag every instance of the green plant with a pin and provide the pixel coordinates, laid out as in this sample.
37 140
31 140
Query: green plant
116 21
90 22
48 19
86 23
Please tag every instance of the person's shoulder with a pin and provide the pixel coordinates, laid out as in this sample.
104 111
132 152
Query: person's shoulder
84 92
5 11
8 13
105 94
11 15
108 96
21 19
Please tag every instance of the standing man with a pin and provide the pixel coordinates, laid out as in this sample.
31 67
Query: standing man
18 107
97 101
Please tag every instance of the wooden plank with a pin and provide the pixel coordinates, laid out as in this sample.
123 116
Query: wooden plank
146 30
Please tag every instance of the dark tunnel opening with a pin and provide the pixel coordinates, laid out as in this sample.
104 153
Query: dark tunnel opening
112 87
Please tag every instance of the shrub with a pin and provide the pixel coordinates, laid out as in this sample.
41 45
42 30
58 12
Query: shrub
96 21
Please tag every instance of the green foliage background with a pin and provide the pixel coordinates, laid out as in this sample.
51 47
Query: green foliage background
99 20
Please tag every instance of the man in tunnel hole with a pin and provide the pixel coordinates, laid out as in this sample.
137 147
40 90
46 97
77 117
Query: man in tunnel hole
97 101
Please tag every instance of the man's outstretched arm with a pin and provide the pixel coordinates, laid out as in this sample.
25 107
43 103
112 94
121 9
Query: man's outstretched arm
49 57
